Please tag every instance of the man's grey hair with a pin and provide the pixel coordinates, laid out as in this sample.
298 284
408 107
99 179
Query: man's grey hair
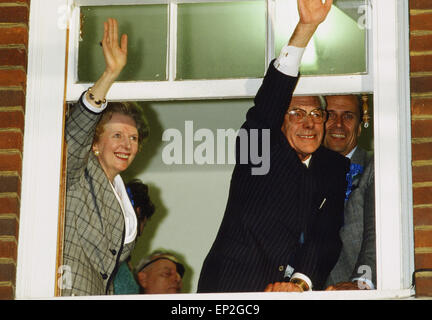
323 102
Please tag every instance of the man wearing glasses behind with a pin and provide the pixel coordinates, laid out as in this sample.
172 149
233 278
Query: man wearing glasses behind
280 230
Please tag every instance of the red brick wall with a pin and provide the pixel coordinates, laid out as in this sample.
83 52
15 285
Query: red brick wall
421 120
13 73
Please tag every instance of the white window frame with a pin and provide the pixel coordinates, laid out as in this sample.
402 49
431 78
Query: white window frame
43 136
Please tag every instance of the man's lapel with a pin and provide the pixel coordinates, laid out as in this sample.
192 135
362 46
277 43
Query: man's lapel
359 157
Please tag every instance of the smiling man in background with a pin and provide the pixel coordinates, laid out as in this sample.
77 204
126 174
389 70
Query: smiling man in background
356 267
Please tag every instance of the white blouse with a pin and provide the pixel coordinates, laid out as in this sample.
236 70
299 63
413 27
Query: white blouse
127 209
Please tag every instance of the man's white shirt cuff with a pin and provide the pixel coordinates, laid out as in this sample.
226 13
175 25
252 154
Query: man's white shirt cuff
305 278
289 60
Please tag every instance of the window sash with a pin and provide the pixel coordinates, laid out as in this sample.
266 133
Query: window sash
205 89
43 137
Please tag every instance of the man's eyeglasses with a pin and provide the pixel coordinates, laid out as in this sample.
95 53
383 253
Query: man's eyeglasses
318 116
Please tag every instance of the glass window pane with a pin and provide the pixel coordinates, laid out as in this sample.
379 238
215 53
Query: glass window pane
339 44
221 40
146 27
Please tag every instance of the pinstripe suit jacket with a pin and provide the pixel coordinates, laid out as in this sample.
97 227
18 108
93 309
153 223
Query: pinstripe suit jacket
358 232
266 214
94 223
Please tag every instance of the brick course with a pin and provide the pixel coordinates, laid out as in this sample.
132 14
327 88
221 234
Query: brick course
12 119
421 63
422 173
421 84
14 14
9 204
421 128
12 77
10 183
9 226
7 271
423 216
421 42
423 285
421 21
11 140
6 291
422 151
423 260
421 112
8 249
420 4
420 105
423 238
13 57
13 35
10 161
422 195
22 2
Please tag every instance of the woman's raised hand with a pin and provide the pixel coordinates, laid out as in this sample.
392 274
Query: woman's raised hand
115 60
115 54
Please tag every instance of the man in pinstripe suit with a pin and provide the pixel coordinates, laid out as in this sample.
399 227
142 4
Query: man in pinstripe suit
357 260
280 231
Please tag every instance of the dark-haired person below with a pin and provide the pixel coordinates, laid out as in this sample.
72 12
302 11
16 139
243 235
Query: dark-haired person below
280 230
102 141
124 281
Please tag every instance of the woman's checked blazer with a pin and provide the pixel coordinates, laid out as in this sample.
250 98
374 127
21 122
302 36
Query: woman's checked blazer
94 222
